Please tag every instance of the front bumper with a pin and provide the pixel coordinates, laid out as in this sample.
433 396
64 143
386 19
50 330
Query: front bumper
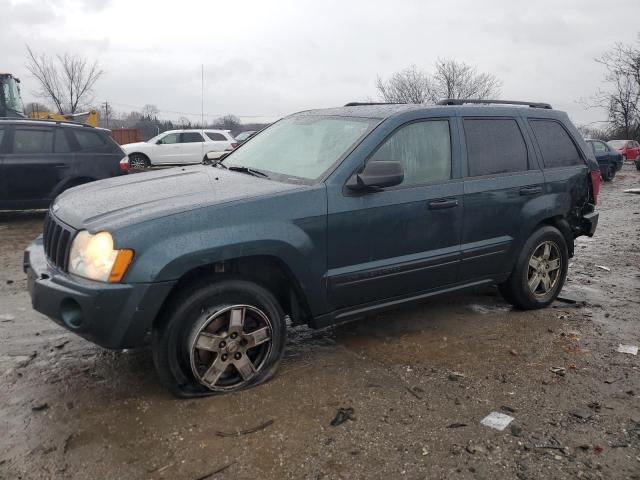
111 315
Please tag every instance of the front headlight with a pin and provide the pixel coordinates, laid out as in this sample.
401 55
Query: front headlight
93 257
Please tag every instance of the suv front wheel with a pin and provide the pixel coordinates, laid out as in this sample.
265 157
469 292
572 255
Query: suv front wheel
540 271
220 337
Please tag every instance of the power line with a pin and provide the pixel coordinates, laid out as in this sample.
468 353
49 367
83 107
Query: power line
215 115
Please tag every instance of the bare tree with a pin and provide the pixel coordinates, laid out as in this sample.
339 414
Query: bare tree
450 79
36 107
228 122
453 79
184 122
66 80
150 111
410 85
621 99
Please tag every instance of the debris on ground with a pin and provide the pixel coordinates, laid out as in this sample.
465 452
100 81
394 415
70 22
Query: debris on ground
455 376
61 344
580 413
497 420
507 408
476 449
602 267
632 190
40 406
558 371
516 430
262 426
215 472
416 392
457 425
25 360
570 301
7 317
630 349
342 416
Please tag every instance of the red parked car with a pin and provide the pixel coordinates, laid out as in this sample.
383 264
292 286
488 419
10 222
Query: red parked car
630 149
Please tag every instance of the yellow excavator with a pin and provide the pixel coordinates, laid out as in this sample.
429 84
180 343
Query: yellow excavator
11 104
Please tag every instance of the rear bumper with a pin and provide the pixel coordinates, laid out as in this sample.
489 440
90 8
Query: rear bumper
110 315
589 223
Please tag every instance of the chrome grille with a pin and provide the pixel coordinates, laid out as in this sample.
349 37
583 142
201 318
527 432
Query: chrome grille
57 241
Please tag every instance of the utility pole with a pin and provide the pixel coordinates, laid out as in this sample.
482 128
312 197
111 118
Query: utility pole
202 96
106 113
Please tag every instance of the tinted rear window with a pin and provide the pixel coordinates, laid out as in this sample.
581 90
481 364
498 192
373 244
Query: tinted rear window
30 140
558 150
88 139
191 137
494 145
216 137
61 145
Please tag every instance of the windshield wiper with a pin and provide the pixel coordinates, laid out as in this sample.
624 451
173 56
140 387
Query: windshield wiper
218 163
250 171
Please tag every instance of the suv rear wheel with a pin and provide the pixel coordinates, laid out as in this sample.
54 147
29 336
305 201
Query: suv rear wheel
539 272
220 338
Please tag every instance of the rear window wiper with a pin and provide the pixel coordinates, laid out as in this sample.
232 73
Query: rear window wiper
250 171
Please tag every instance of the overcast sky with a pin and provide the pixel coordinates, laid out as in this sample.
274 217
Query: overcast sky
271 58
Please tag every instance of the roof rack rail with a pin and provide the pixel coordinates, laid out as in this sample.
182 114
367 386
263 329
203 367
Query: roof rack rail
462 101
46 120
362 104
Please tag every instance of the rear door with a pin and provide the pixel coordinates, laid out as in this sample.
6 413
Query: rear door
192 145
502 176
217 143
33 168
96 156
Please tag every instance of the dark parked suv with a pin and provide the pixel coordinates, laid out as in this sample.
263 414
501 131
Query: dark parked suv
325 216
39 159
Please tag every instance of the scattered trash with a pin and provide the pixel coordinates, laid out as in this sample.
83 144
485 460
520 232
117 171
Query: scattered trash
513 352
507 408
497 420
632 190
455 376
457 425
38 407
609 381
262 426
573 366
554 444
558 371
516 430
598 449
602 267
476 449
630 349
415 391
584 447
26 360
7 317
570 301
579 413
9 282
61 344
595 406
342 416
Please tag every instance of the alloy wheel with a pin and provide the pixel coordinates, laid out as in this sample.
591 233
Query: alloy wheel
544 268
228 347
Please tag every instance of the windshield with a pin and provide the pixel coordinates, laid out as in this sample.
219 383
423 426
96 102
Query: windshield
617 143
11 94
304 146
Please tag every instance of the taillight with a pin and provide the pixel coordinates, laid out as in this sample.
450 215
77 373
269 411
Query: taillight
124 164
595 185
234 145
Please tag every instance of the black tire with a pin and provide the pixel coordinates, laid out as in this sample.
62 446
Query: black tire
516 289
139 161
612 172
186 318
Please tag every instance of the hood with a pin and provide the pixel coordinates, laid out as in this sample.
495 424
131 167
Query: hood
129 146
129 199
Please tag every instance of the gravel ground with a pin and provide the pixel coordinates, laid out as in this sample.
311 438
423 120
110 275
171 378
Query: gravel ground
419 381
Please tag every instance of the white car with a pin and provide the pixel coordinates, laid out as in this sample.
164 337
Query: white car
178 147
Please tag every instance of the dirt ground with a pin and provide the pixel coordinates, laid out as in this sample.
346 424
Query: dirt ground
419 381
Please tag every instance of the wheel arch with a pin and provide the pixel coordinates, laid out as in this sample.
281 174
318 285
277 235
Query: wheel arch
268 271
561 223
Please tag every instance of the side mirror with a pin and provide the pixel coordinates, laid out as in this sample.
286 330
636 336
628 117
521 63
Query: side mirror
377 174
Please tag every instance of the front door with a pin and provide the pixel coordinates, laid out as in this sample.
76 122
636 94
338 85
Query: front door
404 239
167 149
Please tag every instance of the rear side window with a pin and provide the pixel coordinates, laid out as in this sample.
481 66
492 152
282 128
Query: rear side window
60 142
88 139
494 145
423 148
216 137
31 140
599 148
191 137
558 150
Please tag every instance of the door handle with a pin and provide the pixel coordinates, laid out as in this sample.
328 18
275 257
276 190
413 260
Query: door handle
443 203
530 190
